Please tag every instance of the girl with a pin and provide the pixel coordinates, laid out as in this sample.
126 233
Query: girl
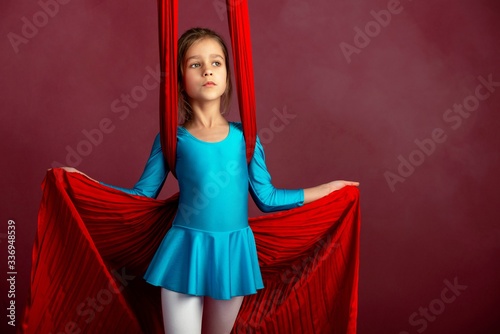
207 261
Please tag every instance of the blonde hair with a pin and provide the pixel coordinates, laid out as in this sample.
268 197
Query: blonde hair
187 39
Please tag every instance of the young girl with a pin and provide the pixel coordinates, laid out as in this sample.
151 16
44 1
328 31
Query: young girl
207 261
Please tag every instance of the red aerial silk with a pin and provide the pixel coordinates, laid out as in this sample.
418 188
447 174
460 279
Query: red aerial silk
239 28
167 26
94 243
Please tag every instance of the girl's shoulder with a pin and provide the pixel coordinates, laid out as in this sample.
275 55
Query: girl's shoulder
236 125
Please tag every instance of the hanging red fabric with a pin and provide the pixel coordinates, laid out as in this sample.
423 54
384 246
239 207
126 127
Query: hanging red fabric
167 26
239 28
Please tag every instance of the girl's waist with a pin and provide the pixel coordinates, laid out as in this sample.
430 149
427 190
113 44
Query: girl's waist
216 223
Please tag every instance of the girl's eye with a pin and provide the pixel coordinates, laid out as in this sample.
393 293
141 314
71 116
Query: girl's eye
196 65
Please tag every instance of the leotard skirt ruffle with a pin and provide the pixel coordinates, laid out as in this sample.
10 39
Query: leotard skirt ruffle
206 263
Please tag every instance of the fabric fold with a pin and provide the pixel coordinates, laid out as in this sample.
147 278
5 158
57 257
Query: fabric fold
94 243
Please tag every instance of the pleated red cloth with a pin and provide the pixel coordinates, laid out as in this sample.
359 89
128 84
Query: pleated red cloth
94 243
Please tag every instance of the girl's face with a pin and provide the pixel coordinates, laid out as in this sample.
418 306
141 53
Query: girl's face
205 71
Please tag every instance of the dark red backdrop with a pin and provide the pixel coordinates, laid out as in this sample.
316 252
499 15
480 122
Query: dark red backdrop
402 96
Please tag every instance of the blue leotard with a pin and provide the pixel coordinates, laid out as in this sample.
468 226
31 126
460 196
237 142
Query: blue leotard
210 249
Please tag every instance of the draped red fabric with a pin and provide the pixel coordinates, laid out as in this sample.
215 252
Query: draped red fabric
239 28
93 244
167 26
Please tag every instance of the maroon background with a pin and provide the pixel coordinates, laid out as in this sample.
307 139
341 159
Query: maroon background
352 121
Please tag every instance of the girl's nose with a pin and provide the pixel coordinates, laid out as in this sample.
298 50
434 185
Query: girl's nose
207 73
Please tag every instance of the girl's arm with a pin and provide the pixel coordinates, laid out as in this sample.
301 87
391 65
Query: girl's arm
153 177
314 193
265 195
268 198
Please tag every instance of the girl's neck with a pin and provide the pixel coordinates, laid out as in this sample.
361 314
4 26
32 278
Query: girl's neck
206 115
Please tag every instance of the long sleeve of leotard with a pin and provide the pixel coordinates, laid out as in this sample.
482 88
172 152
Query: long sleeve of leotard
265 195
153 177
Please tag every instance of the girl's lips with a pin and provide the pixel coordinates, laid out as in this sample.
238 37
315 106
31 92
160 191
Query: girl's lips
209 83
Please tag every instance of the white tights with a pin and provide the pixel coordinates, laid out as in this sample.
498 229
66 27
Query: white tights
185 314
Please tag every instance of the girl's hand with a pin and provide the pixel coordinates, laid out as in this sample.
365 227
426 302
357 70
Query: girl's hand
339 184
315 193
71 170
74 170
